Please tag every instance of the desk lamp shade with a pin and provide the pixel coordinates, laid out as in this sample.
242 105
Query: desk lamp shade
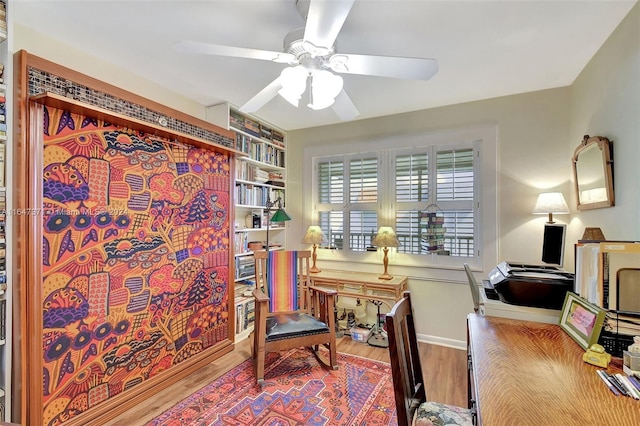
279 216
550 203
386 238
314 236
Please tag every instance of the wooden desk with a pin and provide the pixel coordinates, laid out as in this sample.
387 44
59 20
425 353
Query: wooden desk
529 373
362 285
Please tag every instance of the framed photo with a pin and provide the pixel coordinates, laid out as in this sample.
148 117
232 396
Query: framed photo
581 320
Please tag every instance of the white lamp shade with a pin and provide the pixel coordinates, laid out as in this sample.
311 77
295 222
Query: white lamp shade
386 238
314 235
294 83
325 86
551 202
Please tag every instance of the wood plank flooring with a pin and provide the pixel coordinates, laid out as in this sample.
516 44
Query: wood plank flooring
445 371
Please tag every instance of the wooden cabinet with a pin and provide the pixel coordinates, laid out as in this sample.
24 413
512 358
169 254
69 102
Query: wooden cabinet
259 176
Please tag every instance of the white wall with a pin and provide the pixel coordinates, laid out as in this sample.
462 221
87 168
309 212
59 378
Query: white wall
605 101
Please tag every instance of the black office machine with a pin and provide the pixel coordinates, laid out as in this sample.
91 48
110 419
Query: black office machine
540 286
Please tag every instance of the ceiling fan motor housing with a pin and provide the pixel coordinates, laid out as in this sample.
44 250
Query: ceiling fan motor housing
302 50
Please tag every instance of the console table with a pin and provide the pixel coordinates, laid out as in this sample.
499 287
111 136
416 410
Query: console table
362 285
531 373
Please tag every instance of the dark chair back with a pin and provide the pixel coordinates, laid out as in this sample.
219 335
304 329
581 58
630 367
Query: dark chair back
408 382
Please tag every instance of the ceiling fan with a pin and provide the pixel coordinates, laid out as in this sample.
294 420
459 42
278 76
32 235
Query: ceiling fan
314 63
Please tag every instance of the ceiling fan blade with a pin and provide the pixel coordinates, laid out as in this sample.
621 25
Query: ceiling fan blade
384 66
262 97
197 47
344 107
325 20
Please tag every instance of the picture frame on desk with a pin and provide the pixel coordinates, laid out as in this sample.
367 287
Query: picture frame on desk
581 320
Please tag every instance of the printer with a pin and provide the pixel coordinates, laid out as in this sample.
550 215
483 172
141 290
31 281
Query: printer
539 286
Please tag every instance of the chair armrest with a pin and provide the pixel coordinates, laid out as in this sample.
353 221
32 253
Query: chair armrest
260 296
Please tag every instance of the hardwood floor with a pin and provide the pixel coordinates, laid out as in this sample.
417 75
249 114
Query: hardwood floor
445 371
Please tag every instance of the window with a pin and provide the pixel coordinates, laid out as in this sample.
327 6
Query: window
450 196
354 179
357 193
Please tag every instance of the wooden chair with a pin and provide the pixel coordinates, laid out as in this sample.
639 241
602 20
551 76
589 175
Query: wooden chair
289 312
412 406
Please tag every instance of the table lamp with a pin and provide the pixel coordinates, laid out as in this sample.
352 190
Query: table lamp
314 236
550 203
385 238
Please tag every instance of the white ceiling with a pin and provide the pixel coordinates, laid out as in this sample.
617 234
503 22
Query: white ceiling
485 49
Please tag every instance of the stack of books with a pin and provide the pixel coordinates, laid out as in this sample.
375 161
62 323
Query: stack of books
3 135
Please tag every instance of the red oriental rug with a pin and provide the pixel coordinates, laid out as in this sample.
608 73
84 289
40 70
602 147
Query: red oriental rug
297 390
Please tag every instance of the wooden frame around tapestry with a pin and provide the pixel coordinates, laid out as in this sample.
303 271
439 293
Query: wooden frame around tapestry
30 291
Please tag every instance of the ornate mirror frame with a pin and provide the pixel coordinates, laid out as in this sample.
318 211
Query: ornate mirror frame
593 173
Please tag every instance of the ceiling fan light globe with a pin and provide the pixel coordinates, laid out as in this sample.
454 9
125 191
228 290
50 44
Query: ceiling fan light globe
294 83
325 86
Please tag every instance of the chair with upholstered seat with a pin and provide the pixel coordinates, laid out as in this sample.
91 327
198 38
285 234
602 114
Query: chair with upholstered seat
289 312
412 407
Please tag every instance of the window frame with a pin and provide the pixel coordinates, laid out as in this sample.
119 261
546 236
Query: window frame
484 139
432 200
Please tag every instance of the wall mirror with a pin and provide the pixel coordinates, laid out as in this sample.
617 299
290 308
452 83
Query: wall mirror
593 173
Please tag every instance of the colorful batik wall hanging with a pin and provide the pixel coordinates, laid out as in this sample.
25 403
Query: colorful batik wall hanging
135 258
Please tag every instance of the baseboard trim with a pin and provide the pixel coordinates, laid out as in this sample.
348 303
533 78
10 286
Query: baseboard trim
442 341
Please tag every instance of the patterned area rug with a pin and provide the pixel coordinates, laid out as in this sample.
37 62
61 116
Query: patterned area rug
297 390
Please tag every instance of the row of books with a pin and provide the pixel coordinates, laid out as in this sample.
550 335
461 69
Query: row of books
3 194
260 151
250 172
244 288
245 267
245 304
3 200
3 315
245 313
254 195
252 127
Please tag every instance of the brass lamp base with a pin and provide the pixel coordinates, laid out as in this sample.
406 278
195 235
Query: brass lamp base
385 275
314 269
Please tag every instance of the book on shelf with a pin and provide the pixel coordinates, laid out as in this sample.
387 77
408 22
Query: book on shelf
251 127
3 323
2 164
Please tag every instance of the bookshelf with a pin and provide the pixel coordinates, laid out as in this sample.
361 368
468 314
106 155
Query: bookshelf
259 175
6 192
